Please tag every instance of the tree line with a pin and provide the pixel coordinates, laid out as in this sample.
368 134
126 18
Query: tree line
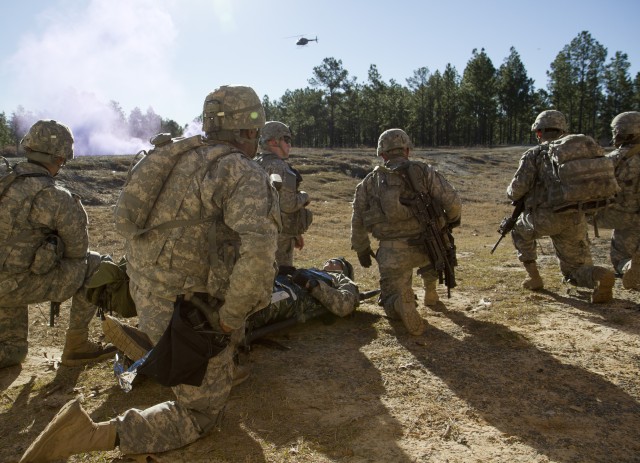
484 106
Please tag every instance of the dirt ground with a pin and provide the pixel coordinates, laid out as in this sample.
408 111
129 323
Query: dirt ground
501 375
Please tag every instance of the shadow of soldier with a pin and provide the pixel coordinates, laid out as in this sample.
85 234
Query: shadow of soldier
619 314
322 395
32 409
560 410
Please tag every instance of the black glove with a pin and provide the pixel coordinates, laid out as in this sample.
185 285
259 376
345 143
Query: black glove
365 257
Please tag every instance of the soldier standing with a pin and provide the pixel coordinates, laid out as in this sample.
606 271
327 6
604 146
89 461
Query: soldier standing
230 259
623 216
377 209
275 144
567 229
44 245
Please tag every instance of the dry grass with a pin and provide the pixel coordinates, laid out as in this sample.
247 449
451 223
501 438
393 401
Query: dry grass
502 374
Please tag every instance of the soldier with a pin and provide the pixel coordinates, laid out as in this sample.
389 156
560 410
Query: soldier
275 144
230 260
567 229
377 210
307 294
623 216
44 248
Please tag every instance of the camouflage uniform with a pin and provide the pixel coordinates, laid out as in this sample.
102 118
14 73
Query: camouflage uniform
340 297
43 256
238 194
624 215
377 210
567 230
295 217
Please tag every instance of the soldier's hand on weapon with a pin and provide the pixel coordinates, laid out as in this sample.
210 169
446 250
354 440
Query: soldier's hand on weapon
365 257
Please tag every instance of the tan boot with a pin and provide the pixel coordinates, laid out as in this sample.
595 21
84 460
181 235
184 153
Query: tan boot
410 317
534 281
631 275
70 432
78 350
604 280
133 342
430 294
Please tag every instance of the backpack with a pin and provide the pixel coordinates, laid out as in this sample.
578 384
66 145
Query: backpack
581 176
144 183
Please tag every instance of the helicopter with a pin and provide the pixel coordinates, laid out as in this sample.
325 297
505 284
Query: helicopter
303 41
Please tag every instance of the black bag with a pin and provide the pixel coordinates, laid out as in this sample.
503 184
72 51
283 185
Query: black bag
183 352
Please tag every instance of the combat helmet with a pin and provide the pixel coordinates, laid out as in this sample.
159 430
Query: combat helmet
347 268
550 119
48 139
232 107
393 139
273 130
625 128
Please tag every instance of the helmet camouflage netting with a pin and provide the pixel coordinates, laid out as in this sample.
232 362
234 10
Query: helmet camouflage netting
273 130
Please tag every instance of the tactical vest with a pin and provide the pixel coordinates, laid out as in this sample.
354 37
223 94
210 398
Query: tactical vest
19 240
628 175
385 217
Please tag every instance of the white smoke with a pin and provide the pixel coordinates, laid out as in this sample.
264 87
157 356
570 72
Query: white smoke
83 57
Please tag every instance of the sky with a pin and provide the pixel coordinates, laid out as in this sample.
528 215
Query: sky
67 59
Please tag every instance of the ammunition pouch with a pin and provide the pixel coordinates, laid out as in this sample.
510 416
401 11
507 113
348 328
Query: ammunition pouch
47 256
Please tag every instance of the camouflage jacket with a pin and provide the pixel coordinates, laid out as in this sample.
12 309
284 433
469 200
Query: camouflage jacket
231 256
32 209
532 177
377 208
626 160
340 298
292 200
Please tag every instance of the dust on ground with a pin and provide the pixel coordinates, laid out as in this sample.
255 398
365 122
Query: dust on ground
501 375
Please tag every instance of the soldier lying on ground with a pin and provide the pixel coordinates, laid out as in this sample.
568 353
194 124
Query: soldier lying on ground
298 295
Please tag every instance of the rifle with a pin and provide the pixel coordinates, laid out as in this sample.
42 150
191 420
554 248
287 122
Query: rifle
508 223
438 242
54 311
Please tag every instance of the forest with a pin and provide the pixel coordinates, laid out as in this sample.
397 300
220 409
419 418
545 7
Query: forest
484 105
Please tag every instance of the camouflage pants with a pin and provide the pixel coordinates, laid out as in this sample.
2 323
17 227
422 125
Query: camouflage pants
174 424
284 253
625 239
396 262
568 233
18 291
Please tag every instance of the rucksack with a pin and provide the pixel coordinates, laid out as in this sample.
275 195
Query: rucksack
581 176
145 182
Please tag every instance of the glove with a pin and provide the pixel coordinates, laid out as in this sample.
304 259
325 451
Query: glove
286 270
365 257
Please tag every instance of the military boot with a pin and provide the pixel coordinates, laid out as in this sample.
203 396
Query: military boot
534 281
410 317
78 350
430 294
70 432
604 280
133 342
631 274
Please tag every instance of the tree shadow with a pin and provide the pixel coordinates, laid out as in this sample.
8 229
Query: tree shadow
562 411
323 394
